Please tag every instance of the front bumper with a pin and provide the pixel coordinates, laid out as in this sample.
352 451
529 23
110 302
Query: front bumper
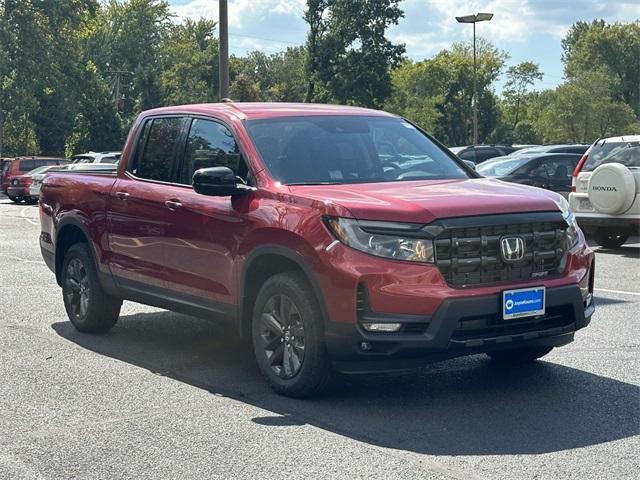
461 326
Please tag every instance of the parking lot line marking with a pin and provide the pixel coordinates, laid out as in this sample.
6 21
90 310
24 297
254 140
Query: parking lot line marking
617 291
31 220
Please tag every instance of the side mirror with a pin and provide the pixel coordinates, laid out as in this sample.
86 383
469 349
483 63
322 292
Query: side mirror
218 182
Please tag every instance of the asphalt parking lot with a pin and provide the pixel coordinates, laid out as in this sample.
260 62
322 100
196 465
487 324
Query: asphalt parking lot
168 396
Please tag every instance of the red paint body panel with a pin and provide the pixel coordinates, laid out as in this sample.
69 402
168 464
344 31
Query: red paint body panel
200 249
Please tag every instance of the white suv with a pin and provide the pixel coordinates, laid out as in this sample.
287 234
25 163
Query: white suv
605 194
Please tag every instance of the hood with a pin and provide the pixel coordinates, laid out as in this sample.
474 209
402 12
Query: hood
425 201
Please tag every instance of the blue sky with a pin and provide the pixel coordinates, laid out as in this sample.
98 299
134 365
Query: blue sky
525 29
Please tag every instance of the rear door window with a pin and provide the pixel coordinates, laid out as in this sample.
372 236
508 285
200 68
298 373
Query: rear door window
157 148
210 144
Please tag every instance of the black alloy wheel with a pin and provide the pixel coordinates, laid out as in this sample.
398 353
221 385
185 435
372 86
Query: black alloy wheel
282 334
76 289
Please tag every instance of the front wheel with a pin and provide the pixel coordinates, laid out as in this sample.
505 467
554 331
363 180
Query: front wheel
610 238
519 355
89 307
288 338
14 199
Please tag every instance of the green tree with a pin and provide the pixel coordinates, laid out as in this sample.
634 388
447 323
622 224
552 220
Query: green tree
437 93
583 109
280 76
519 78
189 60
611 48
125 45
349 57
39 81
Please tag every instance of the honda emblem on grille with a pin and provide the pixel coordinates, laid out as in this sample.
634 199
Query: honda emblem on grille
512 249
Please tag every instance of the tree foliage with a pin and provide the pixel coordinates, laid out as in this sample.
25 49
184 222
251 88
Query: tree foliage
437 93
349 57
75 73
613 49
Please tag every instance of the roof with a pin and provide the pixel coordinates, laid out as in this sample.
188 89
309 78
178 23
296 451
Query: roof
623 138
252 111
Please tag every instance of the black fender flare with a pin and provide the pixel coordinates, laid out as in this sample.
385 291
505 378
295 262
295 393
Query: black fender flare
289 254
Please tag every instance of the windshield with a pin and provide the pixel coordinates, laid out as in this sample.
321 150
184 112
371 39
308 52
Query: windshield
348 149
501 168
527 151
626 153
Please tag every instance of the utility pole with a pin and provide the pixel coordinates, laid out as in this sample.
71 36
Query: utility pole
480 17
224 50
1 129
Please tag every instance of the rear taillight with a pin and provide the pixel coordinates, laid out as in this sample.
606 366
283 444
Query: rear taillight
27 181
577 170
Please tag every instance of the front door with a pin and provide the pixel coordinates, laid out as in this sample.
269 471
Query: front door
203 232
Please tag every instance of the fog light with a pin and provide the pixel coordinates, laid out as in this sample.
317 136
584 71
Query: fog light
382 327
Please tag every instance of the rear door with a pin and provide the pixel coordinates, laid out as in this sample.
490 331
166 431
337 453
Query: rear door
203 232
137 210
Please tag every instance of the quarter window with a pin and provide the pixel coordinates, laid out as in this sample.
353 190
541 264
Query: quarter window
157 148
210 144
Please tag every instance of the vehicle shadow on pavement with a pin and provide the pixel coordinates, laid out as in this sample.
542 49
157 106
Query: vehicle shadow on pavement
467 406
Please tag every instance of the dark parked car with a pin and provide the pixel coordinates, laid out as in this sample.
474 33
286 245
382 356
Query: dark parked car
479 153
579 149
290 222
547 170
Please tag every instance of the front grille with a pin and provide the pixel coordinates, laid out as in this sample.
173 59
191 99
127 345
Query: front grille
492 326
467 252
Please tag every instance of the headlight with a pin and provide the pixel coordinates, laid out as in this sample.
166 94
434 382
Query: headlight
383 239
569 217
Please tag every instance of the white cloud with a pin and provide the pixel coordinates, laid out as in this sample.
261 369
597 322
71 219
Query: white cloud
428 25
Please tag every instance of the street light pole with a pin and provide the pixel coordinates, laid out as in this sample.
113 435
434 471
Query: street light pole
475 89
224 50
479 17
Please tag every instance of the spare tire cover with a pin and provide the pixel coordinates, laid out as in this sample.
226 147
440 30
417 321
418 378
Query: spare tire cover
612 188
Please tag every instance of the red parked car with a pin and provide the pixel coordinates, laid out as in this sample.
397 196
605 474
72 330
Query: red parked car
15 184
335 238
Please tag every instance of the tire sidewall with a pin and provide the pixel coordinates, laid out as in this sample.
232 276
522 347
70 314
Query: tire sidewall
81 252
297 289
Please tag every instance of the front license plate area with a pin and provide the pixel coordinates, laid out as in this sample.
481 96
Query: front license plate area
524 302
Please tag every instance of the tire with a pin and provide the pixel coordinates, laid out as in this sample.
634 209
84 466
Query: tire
14 199
294 312
610 238
89 308
519 355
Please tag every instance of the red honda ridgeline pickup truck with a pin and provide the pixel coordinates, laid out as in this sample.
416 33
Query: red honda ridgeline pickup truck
336 238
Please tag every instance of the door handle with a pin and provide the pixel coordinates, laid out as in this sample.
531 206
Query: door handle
121 195
173 204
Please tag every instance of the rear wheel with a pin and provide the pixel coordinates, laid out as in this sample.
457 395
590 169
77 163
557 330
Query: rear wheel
89 308
519 355
14 199
610 238
288 338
